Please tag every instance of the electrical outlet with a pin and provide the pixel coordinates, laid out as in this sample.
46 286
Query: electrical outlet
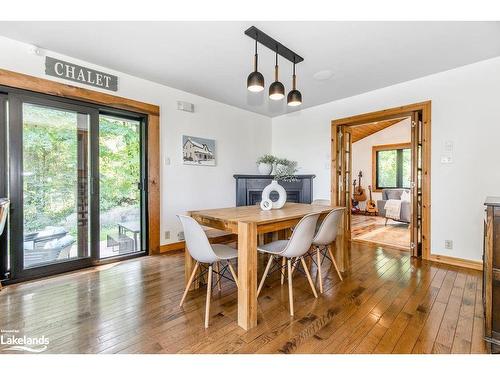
180 236
167 234
448 244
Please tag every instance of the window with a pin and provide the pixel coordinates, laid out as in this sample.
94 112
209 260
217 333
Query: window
392 166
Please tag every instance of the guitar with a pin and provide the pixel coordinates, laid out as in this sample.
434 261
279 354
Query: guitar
354 203
359 193
370 204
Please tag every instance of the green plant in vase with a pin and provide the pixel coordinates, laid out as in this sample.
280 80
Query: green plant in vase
285 170
265 164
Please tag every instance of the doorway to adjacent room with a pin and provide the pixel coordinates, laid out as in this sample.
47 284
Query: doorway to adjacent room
400 173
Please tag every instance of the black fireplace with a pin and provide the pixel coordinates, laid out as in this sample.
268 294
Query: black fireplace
249 189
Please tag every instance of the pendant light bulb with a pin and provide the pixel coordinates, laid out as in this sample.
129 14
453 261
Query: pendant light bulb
294 98
276 90
255 80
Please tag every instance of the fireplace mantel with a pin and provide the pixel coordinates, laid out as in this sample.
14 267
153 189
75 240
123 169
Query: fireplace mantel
249 188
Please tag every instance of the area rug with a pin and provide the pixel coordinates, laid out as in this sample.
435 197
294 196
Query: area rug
373 229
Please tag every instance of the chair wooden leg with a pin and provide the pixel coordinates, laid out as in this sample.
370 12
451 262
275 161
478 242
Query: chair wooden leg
219 277
231 269
283 261
266 271
294 264
290 287
191 278
320 276
209 294
335 264
306 270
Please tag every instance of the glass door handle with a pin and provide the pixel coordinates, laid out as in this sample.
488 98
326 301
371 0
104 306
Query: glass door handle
93 185
142 185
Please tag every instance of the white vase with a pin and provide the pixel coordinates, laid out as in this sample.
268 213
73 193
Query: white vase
274 186
265 168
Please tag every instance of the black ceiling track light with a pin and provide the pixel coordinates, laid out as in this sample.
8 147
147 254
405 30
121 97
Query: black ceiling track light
255 81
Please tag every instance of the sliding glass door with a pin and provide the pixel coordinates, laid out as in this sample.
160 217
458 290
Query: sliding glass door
119 186
75 185
49 185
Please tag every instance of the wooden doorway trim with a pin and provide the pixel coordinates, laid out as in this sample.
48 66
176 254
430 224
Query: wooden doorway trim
44 86
397 112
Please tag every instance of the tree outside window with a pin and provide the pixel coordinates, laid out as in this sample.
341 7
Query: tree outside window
392 166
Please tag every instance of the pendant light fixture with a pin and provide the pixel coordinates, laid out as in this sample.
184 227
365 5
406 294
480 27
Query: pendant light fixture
294 97
276 90
255 80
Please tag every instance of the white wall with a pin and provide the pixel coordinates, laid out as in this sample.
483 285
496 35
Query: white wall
241 136
465 111
362 152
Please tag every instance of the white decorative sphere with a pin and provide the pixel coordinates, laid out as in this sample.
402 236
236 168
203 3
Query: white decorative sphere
274 186
266 205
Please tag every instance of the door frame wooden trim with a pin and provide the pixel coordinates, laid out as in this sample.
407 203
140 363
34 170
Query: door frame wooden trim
45 86
386 114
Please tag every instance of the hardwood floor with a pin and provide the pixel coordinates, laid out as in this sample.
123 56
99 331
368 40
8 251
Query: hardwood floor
372 229
387 303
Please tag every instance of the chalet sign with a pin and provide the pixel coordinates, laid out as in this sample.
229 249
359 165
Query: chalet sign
65 70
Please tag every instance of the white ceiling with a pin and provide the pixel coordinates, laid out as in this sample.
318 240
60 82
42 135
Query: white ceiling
213 59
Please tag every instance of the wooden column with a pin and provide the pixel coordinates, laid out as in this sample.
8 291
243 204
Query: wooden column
247 275
154 183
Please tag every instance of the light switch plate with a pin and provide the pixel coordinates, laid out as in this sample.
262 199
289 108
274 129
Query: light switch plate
448 146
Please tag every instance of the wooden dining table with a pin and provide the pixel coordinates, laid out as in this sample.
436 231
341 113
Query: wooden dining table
248 223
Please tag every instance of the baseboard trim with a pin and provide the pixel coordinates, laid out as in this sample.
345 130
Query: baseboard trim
227 238
174 246
466 263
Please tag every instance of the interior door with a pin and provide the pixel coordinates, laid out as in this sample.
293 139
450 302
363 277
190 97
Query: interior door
416 184
51 185
341 187
346 173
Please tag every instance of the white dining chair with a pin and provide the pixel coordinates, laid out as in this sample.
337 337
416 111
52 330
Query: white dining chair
321 202
323 240
205 253
294 248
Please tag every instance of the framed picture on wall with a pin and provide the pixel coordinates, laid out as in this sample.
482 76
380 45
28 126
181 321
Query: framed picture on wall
198 151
